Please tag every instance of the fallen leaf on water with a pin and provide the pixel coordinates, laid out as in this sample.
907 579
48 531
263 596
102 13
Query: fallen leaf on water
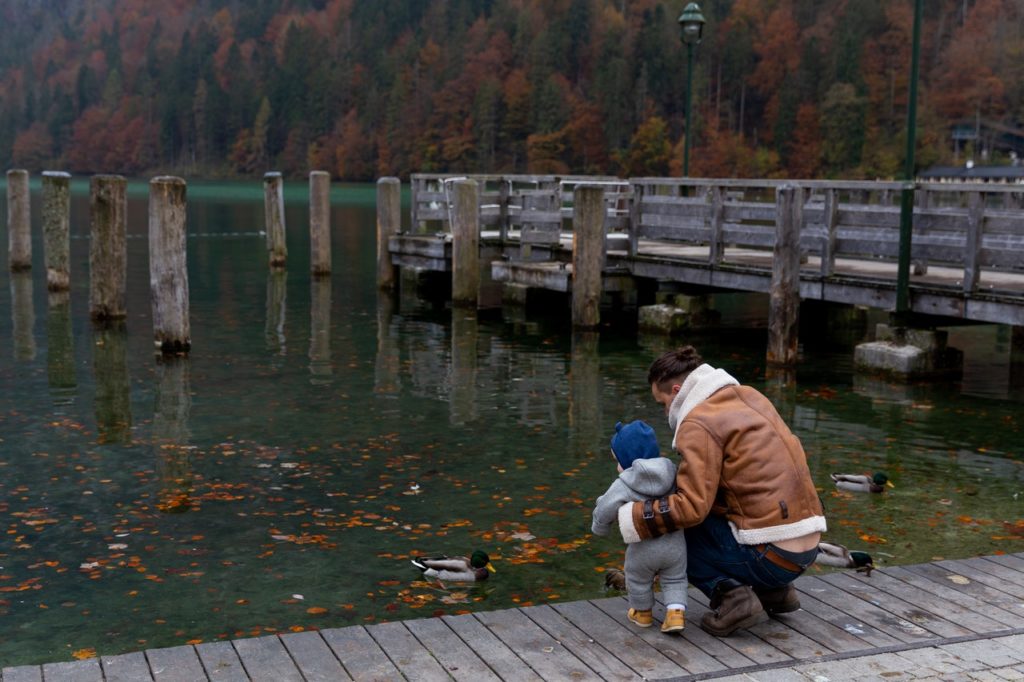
82 654
316 610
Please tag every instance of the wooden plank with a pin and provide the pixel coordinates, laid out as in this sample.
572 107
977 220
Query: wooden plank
890 601
313 657
221 662
22 673
768 642
544 654
125 668
1010 561
360 654
87 670
866 635
997 605
645 650
865 610
591 636
451 652
499 658
969 569
830 219
265 658
175 664
406 652
929 600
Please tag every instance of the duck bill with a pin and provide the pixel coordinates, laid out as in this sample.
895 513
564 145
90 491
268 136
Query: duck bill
890 484
491 568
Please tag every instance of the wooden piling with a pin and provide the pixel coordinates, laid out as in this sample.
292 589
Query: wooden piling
108 251
168 275
19 236
465 243
273 212
784 301
57 229
587 255
320 223
389 216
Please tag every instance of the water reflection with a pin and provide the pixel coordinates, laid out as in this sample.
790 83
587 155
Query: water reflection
113 397
388 360
585 415
23 316
60 349
462 400
320 330
780 389
171 434
277 280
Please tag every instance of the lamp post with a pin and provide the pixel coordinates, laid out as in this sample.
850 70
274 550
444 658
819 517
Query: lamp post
907 194
691 21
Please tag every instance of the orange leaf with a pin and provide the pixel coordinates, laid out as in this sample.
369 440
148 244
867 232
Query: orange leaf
82 654
316 610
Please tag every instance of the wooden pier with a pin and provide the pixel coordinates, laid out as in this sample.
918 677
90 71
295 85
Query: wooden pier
967 248
952 619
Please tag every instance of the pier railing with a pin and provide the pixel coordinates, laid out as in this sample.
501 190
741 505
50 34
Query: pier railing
967 226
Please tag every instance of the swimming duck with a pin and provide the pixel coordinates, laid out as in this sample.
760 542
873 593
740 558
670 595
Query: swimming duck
862 483
831 554
457 568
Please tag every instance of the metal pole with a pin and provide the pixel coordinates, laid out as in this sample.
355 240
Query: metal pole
689 100
907 194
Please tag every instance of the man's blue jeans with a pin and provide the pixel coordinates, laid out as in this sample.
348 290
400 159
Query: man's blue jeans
713 555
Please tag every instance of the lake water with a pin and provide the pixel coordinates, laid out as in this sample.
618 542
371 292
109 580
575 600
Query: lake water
320 434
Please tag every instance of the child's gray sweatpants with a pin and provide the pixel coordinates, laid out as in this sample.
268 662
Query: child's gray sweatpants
664 556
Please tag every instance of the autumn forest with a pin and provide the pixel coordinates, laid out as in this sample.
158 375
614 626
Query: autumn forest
366 88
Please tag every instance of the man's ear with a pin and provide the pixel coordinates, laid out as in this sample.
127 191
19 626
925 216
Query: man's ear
676 388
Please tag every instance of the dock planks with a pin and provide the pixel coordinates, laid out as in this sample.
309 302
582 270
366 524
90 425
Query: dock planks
942 605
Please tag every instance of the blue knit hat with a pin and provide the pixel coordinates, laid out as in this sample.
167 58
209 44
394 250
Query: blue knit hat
633 441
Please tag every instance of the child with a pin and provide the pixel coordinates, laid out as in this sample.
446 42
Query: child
645 475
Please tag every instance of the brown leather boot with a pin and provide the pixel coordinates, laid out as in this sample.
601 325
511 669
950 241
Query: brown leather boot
733 606
778 600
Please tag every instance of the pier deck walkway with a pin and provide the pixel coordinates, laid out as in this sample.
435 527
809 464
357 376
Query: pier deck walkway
945 620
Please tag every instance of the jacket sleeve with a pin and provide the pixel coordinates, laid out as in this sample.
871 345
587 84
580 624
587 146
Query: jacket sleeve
697 481
606 508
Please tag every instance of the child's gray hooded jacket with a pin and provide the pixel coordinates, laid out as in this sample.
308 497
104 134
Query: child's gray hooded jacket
646 479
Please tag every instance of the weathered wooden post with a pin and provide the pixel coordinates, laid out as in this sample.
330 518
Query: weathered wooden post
389 216
465 243
320 223
784 302
57 229
23 316
273 212
320 330
113 392
168 274
587 255
972 247
108 252
19 236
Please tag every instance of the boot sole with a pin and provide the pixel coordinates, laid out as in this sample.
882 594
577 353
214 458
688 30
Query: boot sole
789 608
747 622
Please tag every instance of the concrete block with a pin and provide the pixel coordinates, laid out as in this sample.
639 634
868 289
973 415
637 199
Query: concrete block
663 318
888 358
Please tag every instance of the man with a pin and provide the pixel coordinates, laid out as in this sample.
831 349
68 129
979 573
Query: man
745 497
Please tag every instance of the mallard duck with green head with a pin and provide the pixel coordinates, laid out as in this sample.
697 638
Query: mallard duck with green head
862 483
475 568
831 554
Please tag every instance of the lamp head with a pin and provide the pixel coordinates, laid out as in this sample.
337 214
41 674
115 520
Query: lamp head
691 21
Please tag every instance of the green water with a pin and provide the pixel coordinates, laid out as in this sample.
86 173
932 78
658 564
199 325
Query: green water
320 435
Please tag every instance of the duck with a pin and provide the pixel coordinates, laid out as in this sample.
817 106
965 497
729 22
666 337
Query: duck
832 554
862 483
614 579
456 568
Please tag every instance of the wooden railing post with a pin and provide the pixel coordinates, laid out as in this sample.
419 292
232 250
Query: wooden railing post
716 213
634 218
829 224
320 223
588 246
19 236
972 247
168 274
389 207
784 303
273 212
108 250
504 196
57 229
465 242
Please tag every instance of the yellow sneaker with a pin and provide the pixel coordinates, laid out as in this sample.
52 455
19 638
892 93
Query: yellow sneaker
675 621
641 618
